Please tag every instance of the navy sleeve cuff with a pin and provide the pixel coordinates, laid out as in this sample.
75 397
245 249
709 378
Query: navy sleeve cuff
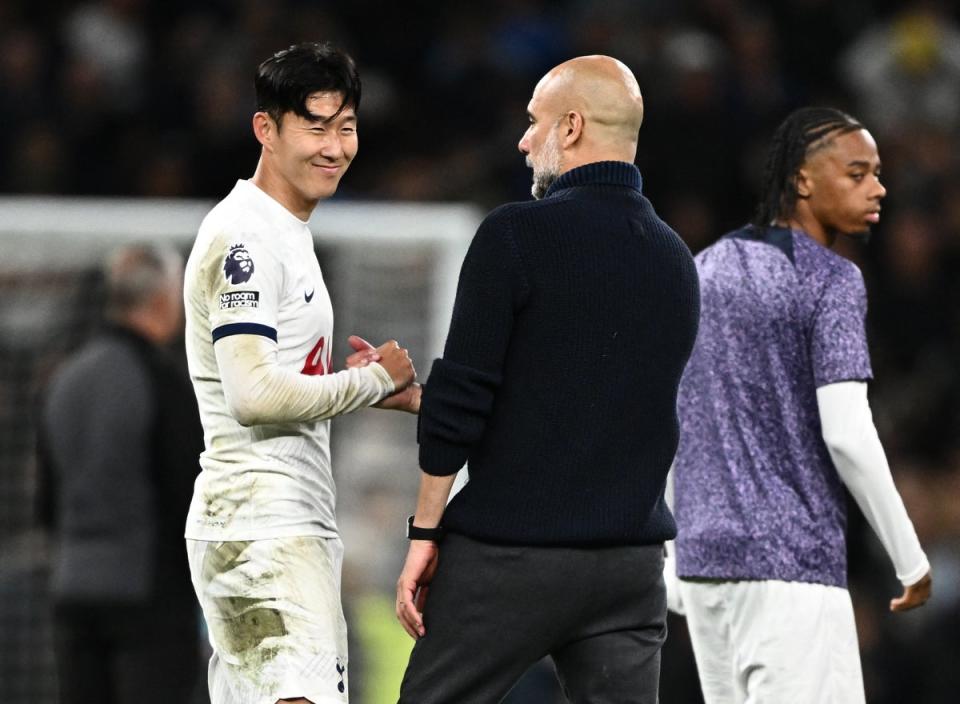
244 329
441 459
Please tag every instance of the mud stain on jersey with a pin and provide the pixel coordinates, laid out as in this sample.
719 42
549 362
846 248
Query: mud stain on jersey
220 508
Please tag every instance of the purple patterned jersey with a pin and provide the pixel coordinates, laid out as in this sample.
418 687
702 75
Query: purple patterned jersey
756 493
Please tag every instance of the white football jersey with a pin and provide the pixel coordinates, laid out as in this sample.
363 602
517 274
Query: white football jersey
253 271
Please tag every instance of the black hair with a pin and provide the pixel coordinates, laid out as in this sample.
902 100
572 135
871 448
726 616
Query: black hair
285 80
803 132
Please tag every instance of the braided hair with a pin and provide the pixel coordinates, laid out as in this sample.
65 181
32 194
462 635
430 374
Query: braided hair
803 132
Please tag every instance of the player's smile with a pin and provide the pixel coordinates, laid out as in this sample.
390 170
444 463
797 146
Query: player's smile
328 169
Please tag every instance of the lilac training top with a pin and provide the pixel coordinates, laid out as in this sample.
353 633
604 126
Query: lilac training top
757 495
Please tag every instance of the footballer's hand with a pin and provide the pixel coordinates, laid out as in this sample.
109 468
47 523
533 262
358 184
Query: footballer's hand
396 360
407 399
414 584
363 353
913 596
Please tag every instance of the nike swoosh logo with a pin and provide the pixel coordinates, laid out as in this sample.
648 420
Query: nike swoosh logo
308 296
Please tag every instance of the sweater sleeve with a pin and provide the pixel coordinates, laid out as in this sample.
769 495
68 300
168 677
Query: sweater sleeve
460 392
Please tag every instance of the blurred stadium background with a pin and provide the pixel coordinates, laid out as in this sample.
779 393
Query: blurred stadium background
145 105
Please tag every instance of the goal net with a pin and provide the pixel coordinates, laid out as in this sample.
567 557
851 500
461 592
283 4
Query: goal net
391 270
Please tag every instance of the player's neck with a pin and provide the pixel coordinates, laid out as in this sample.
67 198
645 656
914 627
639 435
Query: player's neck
275 186
804 220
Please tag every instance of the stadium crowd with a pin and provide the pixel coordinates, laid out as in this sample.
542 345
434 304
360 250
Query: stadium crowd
140 98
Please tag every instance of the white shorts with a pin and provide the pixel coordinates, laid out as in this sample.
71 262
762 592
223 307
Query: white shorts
772 642
274 618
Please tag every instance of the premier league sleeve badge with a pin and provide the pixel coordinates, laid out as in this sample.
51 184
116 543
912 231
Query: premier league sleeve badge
238 265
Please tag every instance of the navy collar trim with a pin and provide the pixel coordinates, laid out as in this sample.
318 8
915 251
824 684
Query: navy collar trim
599 173
775 235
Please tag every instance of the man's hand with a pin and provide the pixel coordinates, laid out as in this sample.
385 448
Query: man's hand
363 355
413 585
396 360
407 400
672 583
913 596
407 396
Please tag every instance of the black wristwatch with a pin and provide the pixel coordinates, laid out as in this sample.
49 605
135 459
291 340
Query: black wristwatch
415 533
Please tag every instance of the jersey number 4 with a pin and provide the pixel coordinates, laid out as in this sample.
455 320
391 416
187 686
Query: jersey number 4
313 366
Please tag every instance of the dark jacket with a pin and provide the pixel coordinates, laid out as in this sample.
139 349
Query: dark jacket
120 439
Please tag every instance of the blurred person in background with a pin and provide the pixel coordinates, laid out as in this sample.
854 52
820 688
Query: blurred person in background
906 70
120 437
264 548
574 317
775 423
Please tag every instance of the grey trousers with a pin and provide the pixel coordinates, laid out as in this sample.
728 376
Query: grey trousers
494 610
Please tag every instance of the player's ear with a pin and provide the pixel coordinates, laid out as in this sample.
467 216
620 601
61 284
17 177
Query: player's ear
572 126
264 129
803 184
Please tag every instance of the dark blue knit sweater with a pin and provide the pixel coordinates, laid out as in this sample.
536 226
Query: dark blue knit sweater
574 318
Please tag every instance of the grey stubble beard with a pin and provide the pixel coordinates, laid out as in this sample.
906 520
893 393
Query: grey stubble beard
549 170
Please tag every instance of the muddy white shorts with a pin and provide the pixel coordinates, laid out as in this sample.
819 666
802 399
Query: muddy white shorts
274 618
773 642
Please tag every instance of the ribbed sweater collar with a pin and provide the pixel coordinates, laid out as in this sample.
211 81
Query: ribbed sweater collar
599 173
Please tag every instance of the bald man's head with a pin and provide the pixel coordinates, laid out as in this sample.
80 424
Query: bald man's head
584 110
603 89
